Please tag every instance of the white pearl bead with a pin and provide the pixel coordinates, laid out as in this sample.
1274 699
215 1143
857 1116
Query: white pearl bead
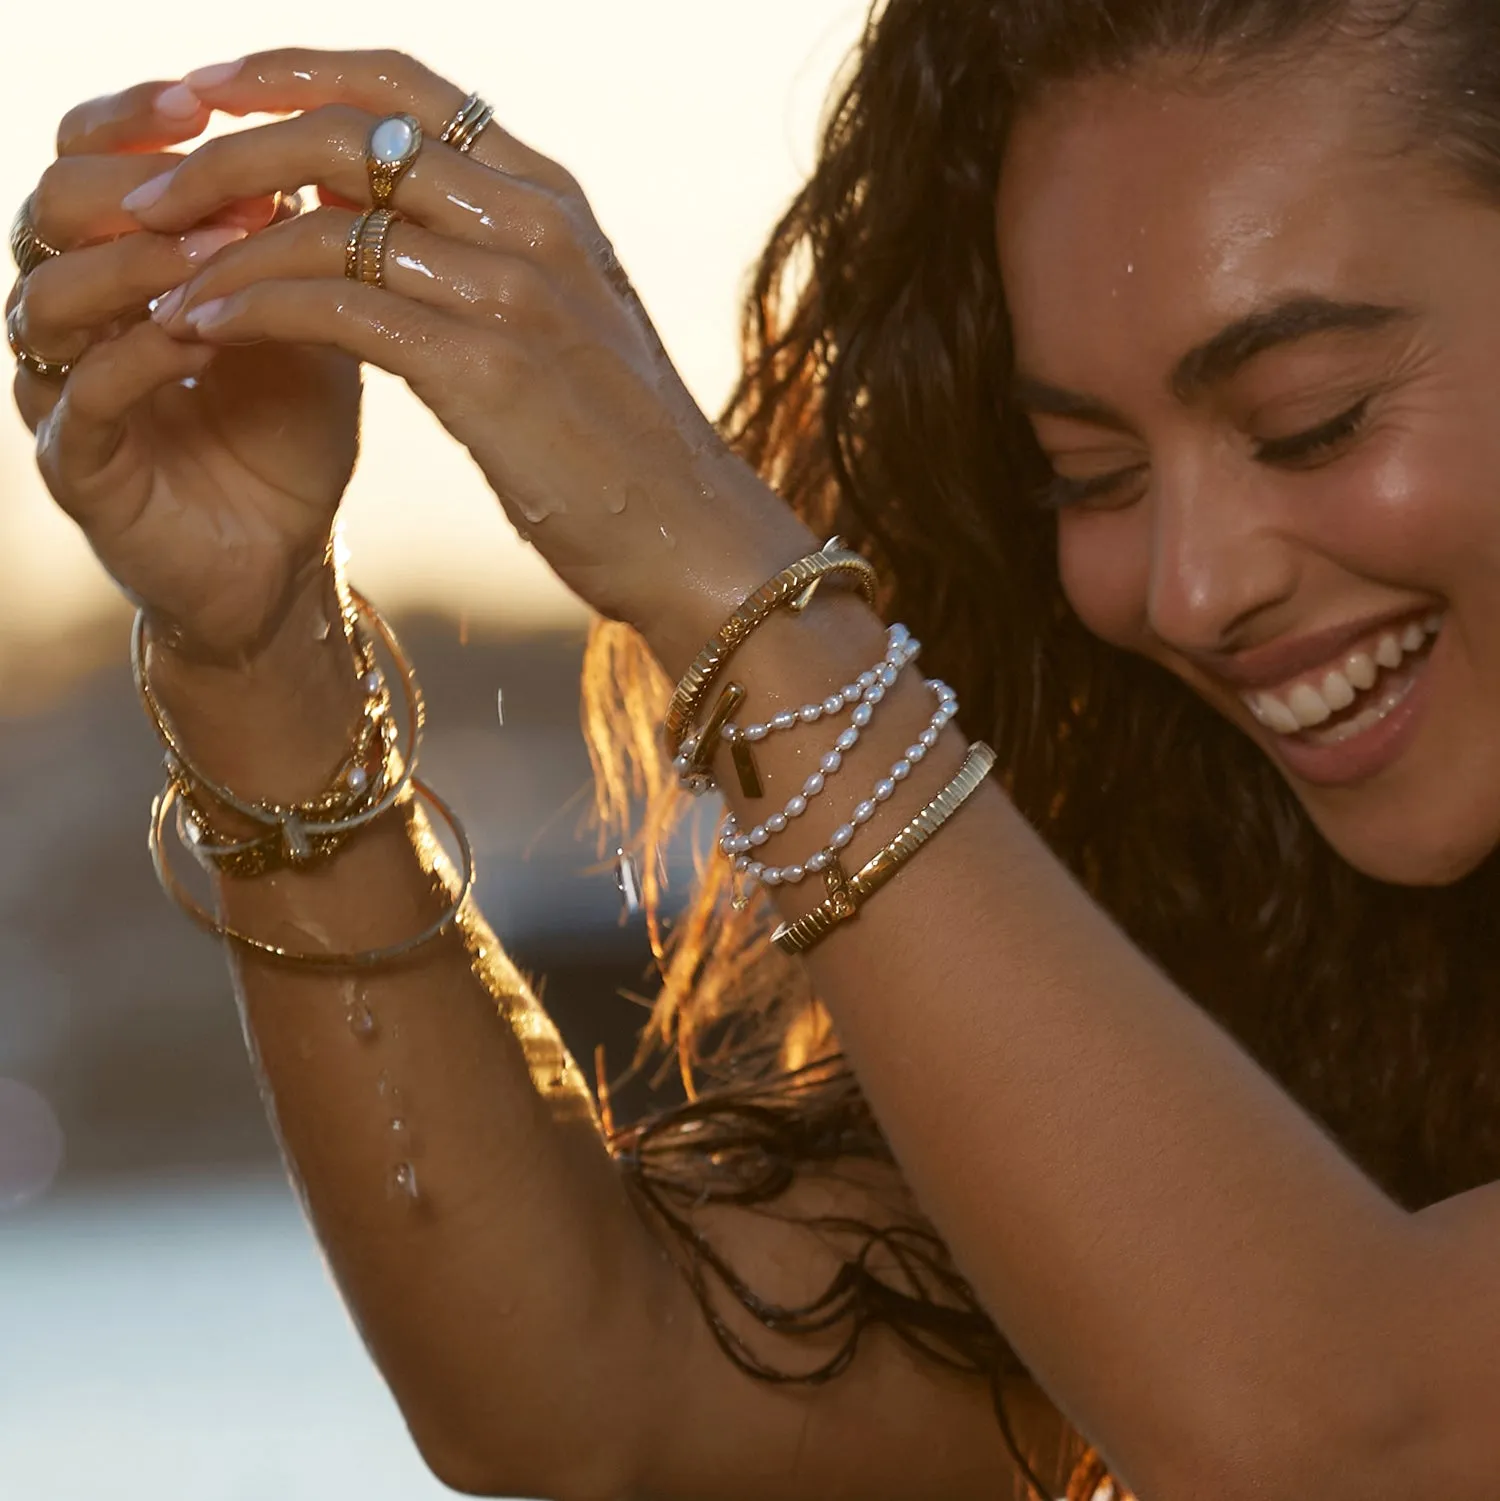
771 876
899 633
817 863
864 812
928 737
810 713
915 753
741 843
796 806
742 863
862 716
813 785
758 836
885 789
784 720
776 823
875 694
833 703
847 741
841 836
359 779
866 680
756 732
755 870
372 682
831 762
853 693
391 140
793 873
947 695
680 764
888 675
900 771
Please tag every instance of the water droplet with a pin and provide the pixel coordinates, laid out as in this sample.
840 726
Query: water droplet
400 1130
1130 268
500 706
361 1021
402 1183
707 492
667 536
387 1091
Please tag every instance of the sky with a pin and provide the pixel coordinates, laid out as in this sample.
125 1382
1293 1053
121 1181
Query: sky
689 123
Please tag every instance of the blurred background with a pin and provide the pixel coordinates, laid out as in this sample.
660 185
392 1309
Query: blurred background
166 1325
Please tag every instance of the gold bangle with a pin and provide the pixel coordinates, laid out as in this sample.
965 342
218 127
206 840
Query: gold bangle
365 959
793 589
847 894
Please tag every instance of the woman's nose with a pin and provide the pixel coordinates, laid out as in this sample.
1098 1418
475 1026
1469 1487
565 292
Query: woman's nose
1217 565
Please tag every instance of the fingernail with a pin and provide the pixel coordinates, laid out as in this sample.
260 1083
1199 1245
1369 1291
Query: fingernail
167 305
211 77
203 243
206 314
147 194
178 102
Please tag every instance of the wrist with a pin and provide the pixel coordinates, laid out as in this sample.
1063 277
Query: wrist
273 723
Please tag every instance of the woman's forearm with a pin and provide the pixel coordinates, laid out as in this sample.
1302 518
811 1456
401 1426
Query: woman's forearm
1187 1262
442 1141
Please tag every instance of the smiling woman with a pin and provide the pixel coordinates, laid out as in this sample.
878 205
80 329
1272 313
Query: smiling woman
1142 353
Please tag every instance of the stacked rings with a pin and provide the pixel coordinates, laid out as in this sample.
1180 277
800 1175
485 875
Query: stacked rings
31 362
468 121
364 251
392 147
28 249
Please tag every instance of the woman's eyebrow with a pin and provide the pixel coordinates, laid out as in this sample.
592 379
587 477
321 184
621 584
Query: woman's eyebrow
1218 358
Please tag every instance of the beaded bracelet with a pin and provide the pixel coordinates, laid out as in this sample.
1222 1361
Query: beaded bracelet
737 845
861 695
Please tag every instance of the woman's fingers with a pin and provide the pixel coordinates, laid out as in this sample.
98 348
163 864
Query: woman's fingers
81 422
146 117
381 83
66 299
425 346
442 189
476 285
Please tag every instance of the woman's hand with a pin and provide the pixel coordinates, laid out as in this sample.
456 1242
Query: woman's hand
206 478
506 312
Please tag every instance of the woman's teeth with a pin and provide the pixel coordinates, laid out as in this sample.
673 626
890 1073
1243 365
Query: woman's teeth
1315 701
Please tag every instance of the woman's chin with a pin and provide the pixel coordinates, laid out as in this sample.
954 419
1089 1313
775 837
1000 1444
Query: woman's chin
1409 852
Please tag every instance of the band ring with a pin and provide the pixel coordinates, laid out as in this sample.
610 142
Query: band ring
392 147
27 248
468 120
364 250
31 362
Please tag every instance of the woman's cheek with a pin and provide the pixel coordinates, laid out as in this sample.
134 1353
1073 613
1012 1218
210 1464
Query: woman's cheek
1104 567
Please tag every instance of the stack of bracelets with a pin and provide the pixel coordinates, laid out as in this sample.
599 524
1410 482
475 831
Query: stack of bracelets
378 774
694 750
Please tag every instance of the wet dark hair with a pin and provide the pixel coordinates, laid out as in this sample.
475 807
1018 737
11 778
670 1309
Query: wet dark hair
874 397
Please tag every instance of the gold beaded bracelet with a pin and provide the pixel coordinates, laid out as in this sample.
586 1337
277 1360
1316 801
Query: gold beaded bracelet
793 589
847 894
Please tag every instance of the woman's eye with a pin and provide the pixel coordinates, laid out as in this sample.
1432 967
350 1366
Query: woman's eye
1099 492
1316 443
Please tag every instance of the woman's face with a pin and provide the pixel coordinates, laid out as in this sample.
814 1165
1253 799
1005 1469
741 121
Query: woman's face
1261 347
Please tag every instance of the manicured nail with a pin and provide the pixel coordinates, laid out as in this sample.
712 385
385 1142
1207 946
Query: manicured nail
147 194
207 314
203 243
211 77
167 305
178 102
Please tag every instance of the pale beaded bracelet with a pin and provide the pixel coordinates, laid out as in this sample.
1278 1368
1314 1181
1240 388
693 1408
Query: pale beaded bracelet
861 695
736 845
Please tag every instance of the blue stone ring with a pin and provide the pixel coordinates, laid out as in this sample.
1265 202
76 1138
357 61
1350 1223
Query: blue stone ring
391 149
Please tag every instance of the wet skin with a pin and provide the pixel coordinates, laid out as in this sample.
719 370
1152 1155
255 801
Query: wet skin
1242 498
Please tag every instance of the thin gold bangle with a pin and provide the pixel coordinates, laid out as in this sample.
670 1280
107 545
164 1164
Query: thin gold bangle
793 589
366 959
847 894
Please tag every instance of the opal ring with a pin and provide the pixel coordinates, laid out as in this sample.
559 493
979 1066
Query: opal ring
27 247
31 362
364 250
469 119
391 149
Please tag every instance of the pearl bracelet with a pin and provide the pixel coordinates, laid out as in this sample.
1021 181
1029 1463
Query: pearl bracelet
737 846
862 694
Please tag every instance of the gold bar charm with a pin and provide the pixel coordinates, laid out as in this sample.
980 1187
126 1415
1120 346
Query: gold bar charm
748 771
709 736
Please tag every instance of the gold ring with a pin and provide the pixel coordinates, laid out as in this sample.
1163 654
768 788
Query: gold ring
391 149
29 360
364 250
469 119
27 247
